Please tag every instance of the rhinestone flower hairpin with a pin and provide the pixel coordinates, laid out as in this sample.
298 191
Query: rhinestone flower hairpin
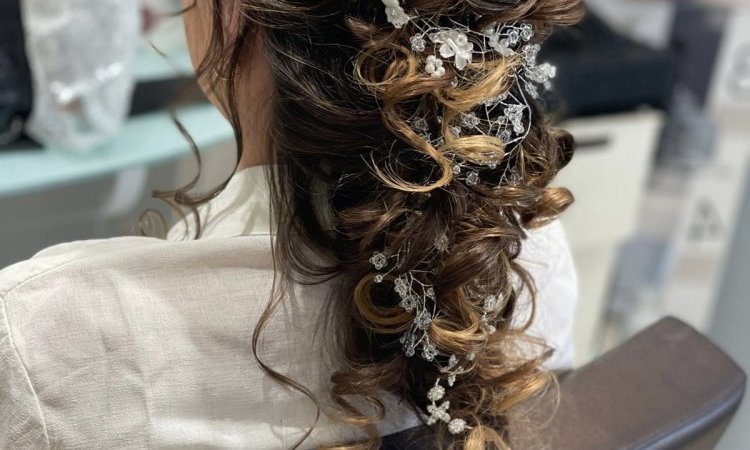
506 116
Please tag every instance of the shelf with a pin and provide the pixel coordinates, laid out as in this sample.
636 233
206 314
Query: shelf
143 140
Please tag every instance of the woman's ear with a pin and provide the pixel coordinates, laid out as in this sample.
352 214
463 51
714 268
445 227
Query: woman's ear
232 19
197 20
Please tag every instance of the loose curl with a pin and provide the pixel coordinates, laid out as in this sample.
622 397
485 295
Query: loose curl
349 173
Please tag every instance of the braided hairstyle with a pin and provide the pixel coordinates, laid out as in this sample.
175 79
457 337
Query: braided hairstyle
353 177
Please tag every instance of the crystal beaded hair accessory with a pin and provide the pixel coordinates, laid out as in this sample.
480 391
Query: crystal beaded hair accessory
419 299
507 117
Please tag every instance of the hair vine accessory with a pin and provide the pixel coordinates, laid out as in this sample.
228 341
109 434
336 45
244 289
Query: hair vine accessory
506 116
396 14
419 298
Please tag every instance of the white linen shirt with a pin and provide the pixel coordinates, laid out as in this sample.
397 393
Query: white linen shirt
134 342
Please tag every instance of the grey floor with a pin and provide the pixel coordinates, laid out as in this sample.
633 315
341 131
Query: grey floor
731 326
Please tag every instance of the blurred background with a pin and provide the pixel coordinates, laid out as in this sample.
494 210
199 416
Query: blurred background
656 92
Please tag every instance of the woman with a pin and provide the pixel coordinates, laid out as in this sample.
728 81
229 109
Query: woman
385 255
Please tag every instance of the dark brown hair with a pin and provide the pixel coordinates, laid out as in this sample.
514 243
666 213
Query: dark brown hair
349 173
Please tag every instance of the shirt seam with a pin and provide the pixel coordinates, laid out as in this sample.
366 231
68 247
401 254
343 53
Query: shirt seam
25 372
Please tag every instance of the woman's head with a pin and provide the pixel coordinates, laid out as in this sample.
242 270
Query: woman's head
372 159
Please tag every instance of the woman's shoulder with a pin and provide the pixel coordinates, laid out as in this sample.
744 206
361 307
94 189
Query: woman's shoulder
547 256
545 249
59 256
72 264
87 289
129 311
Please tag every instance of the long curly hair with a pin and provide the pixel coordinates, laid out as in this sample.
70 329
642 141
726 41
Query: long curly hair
349 173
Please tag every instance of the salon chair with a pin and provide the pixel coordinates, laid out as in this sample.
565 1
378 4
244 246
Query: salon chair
668 387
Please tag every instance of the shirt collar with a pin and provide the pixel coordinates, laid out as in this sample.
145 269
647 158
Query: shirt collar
241 209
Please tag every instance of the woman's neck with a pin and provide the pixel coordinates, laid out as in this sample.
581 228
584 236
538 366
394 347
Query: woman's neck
255 150
252 157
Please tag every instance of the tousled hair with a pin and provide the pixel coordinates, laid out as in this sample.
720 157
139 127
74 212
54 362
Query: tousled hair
348 174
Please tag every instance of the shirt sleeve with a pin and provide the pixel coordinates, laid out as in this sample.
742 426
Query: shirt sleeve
547 256
21 421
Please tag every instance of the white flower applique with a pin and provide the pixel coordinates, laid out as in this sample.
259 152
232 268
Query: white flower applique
501 46
530 53
527 32
417 43
454 44
434 66
542 74
396 14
